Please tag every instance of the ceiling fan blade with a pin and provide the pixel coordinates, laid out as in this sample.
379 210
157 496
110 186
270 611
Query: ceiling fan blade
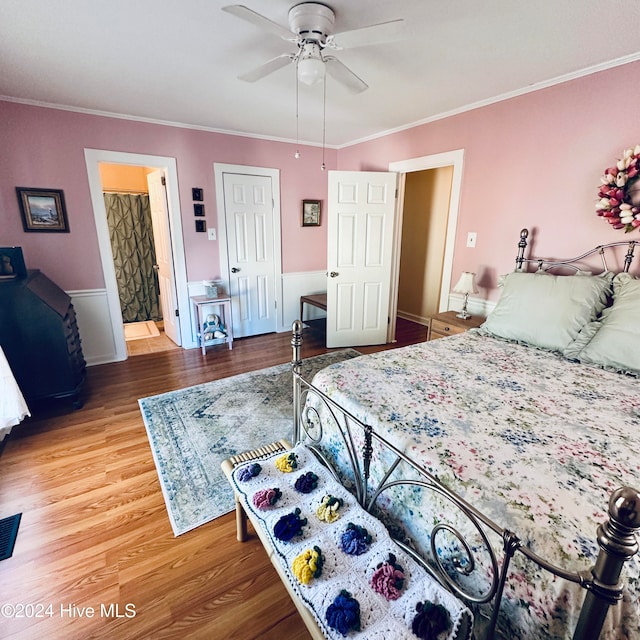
268 67
240 11
373 34
344 75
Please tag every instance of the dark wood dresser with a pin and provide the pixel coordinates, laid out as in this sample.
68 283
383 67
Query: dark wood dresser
40 338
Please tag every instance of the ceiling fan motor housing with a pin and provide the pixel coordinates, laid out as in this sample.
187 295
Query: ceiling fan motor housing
312 21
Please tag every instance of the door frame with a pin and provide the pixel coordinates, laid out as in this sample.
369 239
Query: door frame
219 169
455 159
93 158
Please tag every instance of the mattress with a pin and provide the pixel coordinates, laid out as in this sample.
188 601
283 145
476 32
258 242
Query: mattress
537 443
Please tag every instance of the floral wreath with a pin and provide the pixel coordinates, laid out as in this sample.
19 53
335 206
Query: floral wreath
613 204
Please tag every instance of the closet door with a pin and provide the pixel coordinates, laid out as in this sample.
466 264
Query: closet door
249 214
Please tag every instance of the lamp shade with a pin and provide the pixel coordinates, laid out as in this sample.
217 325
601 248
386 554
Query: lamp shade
466 284
310 64
310 71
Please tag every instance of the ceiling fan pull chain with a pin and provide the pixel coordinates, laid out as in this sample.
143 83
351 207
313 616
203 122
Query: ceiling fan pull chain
323 167
297 153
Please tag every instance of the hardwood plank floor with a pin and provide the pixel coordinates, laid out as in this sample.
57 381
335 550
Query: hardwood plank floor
95 555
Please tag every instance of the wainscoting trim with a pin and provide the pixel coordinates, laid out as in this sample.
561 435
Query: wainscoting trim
94 324
96 333
295 285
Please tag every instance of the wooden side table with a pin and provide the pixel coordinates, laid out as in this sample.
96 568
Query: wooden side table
224 303
318 300
446 324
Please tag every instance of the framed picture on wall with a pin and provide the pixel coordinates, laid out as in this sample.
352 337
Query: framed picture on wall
311 213
42 209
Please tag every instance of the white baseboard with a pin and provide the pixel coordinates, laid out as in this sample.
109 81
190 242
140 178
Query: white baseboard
412 317
475 306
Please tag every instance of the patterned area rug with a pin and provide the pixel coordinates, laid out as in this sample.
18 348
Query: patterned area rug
191 431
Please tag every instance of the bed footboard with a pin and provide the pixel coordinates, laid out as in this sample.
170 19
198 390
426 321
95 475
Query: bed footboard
618 542
479 537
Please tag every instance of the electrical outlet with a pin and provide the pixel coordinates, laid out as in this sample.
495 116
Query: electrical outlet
471 239
211 233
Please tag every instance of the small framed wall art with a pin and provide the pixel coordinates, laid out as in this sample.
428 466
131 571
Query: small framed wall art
311 213
196 194
198 209
42 209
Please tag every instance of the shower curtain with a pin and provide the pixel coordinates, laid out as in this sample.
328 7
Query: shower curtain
131 233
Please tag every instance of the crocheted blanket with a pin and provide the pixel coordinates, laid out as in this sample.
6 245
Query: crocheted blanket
339 559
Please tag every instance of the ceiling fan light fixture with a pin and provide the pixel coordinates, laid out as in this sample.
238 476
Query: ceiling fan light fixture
310 71
310 64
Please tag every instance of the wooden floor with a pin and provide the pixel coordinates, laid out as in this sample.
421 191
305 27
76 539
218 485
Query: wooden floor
95 555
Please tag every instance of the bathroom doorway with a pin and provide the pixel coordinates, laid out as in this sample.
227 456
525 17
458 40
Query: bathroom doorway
137 230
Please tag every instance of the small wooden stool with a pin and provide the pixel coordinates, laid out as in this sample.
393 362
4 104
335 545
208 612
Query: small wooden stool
228 466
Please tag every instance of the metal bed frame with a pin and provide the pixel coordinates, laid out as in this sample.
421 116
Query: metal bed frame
616 537
545 264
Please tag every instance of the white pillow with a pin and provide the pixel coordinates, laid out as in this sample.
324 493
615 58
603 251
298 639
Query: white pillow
547 311
616 337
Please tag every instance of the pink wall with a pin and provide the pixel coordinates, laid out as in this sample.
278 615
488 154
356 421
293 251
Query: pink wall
533 161
45 148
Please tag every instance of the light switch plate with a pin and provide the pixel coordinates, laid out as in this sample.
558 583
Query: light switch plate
472 236
211 233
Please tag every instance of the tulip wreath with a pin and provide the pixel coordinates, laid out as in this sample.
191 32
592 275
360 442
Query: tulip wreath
619 195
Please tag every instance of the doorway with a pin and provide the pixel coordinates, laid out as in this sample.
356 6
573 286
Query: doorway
135 202
180 306
427 195
454 160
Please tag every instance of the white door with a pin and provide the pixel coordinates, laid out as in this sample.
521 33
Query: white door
164 256
360 228
249 211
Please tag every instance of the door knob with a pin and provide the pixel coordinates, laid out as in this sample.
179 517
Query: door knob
234 269
334 274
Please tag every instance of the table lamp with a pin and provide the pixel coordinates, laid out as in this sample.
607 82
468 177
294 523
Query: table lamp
465 286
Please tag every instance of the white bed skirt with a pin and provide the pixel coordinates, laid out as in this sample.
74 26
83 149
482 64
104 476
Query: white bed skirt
13 408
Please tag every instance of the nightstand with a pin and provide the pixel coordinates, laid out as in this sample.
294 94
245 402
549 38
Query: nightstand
199 303
446 324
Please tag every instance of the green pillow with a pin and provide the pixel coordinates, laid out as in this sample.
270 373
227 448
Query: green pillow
616 340
547 311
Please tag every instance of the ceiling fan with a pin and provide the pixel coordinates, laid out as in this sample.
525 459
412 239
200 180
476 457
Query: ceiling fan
311 29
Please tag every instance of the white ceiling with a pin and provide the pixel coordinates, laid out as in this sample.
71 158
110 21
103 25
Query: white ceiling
177 61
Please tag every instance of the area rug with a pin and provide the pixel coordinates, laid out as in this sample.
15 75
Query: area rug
140 330
191 431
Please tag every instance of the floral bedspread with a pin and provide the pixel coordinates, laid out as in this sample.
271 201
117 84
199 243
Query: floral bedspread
535 442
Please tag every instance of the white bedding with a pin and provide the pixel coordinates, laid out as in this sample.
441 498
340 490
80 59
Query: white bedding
13 408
